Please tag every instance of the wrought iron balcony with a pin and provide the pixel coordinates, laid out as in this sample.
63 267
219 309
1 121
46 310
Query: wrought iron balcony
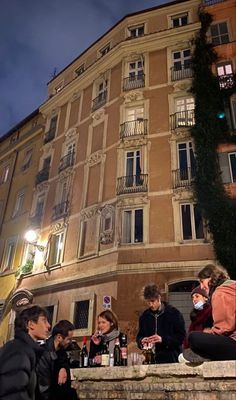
227 81
133 128
60 210
134 82
42 176
66 161
132 184
183 71
183 177
210 2
49 136
100 100
182 119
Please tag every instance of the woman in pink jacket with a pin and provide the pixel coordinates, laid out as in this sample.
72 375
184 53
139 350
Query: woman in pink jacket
219 341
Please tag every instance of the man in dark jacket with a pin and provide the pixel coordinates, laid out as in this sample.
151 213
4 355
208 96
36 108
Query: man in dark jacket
53 369
19 356
161 325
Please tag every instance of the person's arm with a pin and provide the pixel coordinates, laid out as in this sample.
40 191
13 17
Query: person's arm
141 333
43 370
223 311
176 338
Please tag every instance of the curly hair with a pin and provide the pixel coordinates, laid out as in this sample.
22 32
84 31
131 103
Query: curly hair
151 292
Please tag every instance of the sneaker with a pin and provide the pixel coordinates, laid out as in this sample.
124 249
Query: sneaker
188 356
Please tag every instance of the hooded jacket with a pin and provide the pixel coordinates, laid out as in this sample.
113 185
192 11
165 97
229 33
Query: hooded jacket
224 309
18 359
167 323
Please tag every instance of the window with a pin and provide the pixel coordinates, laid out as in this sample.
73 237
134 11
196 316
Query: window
181 59
225 74
132 229
227 163
18 204
136 31
192 223
59 87
101 94
136 69
186 161
27 159
56 248
9 254
219 33
133 168
50 314
5 173
82 311
179 20
184 108
233 112
105 50
79 71
1 308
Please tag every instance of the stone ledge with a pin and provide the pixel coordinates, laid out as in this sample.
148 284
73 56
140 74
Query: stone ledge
213 369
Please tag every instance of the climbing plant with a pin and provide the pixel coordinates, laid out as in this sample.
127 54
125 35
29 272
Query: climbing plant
209 131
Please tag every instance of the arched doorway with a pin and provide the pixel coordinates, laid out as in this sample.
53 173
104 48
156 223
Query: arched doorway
179 297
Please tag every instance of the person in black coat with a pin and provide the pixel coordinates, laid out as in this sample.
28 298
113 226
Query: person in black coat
19 356
161 325
53 369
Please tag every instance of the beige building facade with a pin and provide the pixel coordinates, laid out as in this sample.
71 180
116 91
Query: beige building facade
113 206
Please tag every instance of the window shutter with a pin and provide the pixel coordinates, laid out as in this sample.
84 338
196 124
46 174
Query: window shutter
224 167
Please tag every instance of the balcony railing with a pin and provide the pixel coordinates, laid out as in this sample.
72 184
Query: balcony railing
49 136
133 128
134 82
60 210
99 101
210 2
132 184
227 81
181 72
183 177
42 176
182 119
66 161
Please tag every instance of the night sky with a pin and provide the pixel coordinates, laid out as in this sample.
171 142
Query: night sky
37 36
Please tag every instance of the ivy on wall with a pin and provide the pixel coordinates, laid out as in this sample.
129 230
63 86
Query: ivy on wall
208 132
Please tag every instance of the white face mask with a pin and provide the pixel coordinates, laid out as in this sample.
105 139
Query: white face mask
199 305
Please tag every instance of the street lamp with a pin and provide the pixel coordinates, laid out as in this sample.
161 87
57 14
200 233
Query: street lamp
31 237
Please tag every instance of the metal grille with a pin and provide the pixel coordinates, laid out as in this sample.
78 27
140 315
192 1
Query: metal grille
81 314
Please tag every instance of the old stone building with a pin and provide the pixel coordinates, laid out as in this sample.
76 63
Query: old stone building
113 207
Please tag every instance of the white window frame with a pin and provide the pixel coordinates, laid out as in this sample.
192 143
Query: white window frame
179 17
137 69
59 87
219 35
132 226
136 28
91 298
80 70
192 222
9 254
59 252
104 50
5 173
18 203
27 159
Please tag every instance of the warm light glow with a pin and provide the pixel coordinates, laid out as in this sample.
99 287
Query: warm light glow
31 236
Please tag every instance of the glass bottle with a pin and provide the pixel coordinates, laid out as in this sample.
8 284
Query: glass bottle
84 355
105 356
117 353
124 350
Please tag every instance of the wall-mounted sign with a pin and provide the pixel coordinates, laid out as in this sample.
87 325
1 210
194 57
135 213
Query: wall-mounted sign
106 302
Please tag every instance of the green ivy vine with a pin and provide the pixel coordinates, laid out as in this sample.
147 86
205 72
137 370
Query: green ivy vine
208 132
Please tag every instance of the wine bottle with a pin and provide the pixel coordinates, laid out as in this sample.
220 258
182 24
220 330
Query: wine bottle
124 350
105 356
117 353
84 355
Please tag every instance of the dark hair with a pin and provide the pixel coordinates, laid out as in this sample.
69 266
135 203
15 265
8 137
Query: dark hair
216 274
31 313
111 317
62 328
151 292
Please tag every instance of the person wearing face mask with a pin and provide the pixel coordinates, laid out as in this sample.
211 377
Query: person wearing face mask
201 315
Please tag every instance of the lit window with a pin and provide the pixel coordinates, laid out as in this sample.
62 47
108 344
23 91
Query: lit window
192 223
179 20
56 248
219 33
136 31
132 229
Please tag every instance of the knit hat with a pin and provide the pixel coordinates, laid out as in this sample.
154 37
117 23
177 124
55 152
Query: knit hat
201 291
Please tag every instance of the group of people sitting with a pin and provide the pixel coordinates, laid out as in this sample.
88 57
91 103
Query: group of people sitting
29 371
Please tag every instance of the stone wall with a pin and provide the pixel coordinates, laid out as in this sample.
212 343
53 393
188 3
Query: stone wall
208 381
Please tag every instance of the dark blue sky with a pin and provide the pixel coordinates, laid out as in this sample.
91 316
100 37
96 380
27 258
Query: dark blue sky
37 36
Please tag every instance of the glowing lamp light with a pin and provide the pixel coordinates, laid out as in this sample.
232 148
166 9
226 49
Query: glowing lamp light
31 236
221 115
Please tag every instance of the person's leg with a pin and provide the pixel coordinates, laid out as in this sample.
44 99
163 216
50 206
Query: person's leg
214 347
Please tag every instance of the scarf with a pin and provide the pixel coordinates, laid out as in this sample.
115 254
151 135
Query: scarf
109 338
